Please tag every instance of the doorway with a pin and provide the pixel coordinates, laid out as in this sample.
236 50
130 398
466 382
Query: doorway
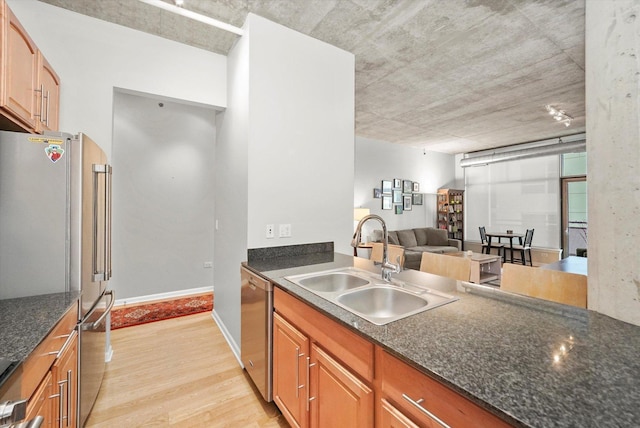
574 216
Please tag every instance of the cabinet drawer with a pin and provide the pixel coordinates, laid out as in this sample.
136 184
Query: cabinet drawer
351 349
40 361
417 395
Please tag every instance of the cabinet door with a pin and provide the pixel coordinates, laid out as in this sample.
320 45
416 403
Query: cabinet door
390 417
48 96
339 399
19 71
65 375
290 376
42 402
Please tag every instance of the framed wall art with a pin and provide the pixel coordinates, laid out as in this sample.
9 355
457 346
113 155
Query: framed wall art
386 187
397 183
386 202
417 198
398 209
407 203
416 187
397 196
377 193
407 186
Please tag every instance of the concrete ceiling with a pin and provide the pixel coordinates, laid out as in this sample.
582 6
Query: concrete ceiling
452 76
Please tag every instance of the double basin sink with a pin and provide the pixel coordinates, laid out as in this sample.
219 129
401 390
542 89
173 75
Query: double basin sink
365 294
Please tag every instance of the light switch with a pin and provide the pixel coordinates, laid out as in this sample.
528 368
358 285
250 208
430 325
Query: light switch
285 231
270 231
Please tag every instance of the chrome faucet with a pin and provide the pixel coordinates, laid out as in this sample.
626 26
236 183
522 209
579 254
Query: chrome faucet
387 267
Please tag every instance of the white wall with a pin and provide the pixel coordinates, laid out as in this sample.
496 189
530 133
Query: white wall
163 196
231 195
286 142
92 57
301 137
378 160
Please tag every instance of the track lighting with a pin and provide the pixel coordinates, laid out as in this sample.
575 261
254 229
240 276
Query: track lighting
559 115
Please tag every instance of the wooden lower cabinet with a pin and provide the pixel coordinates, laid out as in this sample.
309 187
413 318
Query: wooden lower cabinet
390 417
41 402
338 398
424 401
65 375
50 376
312 385
325 375
290 352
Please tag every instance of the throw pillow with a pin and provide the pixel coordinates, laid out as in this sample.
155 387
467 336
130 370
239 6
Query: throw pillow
421 236
437 237
407 238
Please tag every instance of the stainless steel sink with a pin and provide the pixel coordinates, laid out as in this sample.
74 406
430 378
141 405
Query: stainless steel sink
335 281
364 294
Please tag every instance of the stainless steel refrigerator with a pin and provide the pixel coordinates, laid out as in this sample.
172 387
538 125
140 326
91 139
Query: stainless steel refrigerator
55 235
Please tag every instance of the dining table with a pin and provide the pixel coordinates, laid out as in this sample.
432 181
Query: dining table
506 235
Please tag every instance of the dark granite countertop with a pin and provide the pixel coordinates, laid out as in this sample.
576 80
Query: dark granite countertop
533 363
26 321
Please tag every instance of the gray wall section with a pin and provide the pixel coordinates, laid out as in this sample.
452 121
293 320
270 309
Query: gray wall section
163 196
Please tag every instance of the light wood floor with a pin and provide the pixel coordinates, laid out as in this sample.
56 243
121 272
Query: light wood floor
178 373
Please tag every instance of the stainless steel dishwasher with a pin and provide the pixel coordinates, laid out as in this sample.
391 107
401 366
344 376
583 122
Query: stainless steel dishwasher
256 307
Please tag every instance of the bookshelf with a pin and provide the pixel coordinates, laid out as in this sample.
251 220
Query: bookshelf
451 212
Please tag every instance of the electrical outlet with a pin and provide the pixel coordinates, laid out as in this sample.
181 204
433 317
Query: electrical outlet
285 231
207 265
271 231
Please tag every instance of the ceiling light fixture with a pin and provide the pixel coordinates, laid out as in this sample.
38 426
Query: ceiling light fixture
179 3
195 16
559 115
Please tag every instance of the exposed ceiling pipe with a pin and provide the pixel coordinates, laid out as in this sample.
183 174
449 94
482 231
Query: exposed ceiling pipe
195 16
531 152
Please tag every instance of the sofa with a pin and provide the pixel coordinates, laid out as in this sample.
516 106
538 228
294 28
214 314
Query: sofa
419 240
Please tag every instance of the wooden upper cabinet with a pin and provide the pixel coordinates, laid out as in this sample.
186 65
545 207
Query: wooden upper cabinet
19 71
29 87
48 93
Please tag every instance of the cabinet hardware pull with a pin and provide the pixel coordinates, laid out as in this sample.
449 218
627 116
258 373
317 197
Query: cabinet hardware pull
309 398
61 403
46 120
41 90
298 386
69 379
425 411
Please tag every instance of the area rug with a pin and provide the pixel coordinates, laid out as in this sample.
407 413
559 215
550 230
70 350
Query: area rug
127 316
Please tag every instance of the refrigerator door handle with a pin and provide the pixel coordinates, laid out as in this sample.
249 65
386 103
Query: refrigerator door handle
97 322
107 241
99 272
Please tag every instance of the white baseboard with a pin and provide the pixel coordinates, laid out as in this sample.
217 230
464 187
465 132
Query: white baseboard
232 343
161 296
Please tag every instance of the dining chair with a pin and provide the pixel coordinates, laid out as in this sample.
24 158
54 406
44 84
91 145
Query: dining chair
486 249
524 248
556 286
450 266
395 253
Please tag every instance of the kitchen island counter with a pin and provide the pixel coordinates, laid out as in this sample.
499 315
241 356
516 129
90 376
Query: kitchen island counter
26 321
533 363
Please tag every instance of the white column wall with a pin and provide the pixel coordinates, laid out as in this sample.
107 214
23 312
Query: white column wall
613 155
301 137
92 57
285 152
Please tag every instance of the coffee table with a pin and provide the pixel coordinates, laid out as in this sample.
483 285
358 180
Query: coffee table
484 267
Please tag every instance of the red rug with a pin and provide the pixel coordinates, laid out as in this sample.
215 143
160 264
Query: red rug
127 316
